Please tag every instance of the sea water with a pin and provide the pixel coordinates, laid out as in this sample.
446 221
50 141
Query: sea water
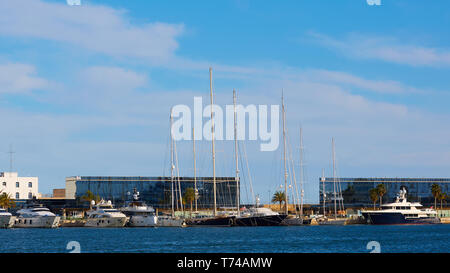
296 239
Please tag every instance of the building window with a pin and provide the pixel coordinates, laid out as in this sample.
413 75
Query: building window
17 184
30 184
4 184
17 195
30 195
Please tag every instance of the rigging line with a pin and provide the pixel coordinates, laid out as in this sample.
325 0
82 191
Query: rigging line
244 174
291 165
178 177
249 175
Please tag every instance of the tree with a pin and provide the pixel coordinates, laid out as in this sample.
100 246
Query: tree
6 201
442 196
189 196
89 196
381 189
436 192
373 194
279 197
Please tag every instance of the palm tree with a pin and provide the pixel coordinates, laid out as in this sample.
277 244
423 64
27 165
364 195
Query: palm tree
6 201
381 189
373 194
279 197
89 196
189 196
436 192
442 196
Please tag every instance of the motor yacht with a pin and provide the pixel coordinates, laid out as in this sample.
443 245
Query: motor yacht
36 216
139 214
401 212
6 219
105 215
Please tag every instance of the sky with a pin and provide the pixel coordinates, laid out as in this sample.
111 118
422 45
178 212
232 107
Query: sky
87 90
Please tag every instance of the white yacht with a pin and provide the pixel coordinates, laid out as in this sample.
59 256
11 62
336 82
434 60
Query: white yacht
105 215
36 216
169 221
140 215
6 219
401 212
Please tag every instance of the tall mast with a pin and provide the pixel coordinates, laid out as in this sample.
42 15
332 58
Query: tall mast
324 195
212 138
302 192
172 166
195 170
284 155
11 152
334 177
236 155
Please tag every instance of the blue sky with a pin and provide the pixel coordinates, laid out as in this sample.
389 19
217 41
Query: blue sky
86 90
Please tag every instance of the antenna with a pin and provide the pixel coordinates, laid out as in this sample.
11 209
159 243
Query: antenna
11 152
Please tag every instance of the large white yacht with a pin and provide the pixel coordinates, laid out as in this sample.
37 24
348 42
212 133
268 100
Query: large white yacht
401 212
105 215
140 215
6 219
36 216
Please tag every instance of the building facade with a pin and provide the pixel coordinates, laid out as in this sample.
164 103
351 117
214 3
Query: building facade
155 191
19 188
355 191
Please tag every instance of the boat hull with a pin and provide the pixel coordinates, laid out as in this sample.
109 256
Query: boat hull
143 221
397 219
7 221
106 222
170 222
252 221
296 221
215 222
332 222
37 222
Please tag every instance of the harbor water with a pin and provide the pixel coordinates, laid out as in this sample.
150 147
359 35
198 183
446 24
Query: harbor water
299 239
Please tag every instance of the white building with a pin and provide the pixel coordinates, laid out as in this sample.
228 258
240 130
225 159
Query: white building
18 187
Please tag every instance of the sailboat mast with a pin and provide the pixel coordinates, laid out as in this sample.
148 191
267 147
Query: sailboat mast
171 164
284 155
236 155
212 138
302 192
334 177
323 191
195 170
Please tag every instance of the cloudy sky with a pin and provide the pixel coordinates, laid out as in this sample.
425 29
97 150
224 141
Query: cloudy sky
87 90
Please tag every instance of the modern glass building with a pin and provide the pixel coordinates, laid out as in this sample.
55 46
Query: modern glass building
155 191
355 191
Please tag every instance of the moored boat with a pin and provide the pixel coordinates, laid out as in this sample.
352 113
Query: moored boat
140 215
6 219
36 216
105 215
401 212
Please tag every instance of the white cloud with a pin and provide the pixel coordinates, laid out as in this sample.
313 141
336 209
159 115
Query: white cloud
20 78
92 27
386 49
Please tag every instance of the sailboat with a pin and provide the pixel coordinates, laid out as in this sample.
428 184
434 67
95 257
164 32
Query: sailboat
171 220
337 197
299 219
256 216
215 220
